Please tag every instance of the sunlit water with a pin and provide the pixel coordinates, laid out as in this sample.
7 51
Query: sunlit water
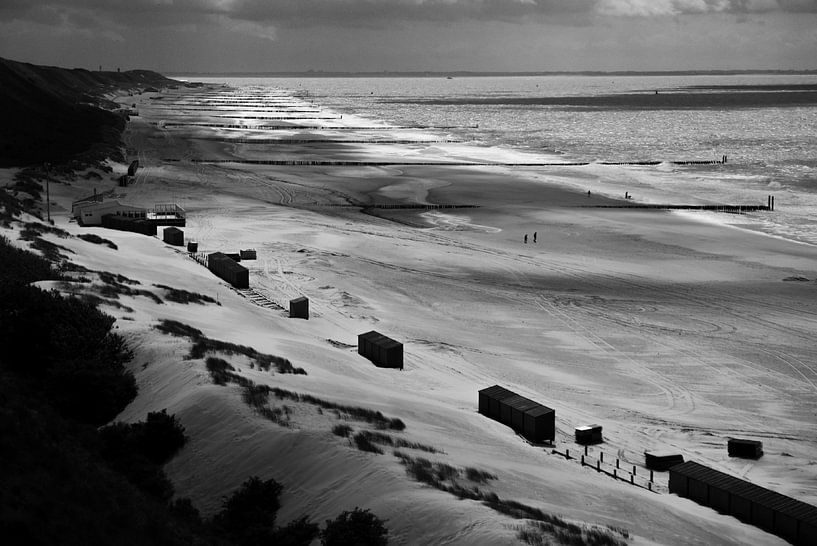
771 150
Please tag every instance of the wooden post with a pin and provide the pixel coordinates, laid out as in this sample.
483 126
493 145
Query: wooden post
650 476
601 456
632 479
617 464
598 466
649 486
582 460
615 475
585 450
633 470
567 454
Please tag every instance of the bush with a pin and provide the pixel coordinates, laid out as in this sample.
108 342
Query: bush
355 527
364 444
19 267
138 450
342 430
219 368
299 532
248 515
66 347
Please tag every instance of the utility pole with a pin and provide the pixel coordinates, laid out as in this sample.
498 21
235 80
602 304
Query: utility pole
48 190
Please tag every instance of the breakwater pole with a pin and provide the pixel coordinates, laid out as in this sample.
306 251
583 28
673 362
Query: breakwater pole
614 470
735 209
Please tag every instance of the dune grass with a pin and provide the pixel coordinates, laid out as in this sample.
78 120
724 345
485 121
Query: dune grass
96 239
203 345
360 414
178 295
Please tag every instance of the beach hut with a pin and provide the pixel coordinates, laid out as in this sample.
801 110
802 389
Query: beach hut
227 269
173 236
534 421
299 308
588 434
192 246
784 516
248 254
746 449
383 351
662 460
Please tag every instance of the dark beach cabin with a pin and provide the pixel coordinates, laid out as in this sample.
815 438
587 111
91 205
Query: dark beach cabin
531 419
173 236
383 351
784 516
228 269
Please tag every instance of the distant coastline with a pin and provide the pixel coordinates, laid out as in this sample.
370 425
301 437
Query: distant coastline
478 74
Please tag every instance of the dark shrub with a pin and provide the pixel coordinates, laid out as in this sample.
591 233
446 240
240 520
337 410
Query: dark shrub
363 443
219 368
355 527
248 515
66 346
299 532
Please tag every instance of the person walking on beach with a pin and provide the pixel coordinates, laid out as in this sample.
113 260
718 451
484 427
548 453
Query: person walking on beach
526 238
534 236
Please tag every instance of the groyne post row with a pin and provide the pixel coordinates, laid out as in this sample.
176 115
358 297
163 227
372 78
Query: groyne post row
312 127
737 209
614 471
420 206
323 141
326 163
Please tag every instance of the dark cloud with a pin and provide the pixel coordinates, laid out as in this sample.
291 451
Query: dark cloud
364 13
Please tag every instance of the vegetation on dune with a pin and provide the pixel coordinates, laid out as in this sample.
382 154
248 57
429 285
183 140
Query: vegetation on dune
545 527
219 370
20 267
96 239
355 527
66 481
361 414
115 285
183 296
203 345
65 348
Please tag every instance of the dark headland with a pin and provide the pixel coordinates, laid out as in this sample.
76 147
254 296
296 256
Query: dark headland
56 114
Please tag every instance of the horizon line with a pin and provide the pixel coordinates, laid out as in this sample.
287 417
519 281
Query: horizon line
478 73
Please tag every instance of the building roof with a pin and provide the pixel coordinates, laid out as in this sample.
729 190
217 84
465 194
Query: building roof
228 262
516 401
104 205
497 393
744 441
759 495
380 340
587 427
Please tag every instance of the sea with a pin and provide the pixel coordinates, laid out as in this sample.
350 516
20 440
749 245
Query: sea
766 125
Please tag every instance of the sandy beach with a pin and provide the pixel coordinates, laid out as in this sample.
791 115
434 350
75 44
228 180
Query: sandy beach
674 331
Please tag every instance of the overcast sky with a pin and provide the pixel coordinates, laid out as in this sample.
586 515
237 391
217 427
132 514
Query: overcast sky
411 35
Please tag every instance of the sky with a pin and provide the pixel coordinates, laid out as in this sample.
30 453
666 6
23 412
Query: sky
177 36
